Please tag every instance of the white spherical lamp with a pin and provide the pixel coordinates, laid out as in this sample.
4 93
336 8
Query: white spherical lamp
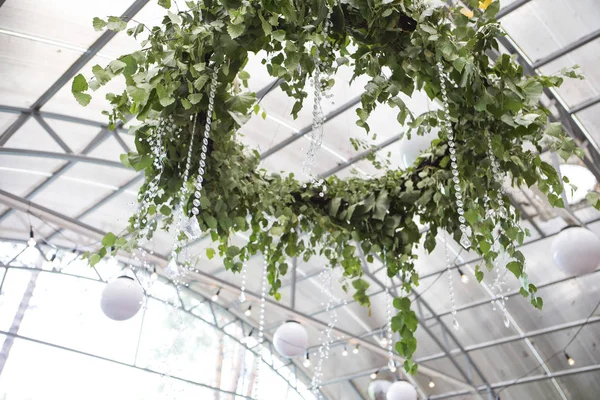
576 250
401 390
122 298
291 339
377 389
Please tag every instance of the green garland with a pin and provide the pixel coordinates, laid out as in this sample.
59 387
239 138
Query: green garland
397 43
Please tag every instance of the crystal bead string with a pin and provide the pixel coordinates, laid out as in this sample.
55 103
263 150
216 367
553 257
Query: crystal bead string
388 325
172 271
499 283
191 227
204 148
326 337
464 239
319 90
261 325
450 283
242 297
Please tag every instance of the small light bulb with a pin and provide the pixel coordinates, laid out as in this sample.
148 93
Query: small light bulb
374 375
355 350
215 296
393 368
384 342
431 384
248 312
306 362
31 242
570 360
345 352
154 276
464 278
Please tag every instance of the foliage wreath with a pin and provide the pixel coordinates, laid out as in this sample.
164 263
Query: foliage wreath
398 44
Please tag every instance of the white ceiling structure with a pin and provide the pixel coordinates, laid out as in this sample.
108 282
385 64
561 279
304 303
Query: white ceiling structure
60 172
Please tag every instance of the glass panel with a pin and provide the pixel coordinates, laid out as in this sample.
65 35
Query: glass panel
26 77
540 27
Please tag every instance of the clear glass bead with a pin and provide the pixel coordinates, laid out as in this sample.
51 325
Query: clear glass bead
456 180
465 242
462 219
452 150
196 203
457 187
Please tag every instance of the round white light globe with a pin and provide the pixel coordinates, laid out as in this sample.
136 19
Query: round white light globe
122 298
291 339
576 250
401 390
377 389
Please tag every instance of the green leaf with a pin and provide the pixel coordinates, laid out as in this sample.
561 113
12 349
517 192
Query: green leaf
515 267
165 210
109 240
99 24
537 302
210 221
210 253
402 303
478 274
241 103
235 30
94 259
334 206
594 199
116 24
165 3
82 98
79 84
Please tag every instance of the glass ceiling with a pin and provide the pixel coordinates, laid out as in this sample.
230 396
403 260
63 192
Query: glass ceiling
60 173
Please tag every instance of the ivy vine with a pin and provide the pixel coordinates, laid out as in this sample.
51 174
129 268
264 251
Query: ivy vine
397 44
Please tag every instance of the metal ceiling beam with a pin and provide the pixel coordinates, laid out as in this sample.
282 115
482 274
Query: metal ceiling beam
531 379
514 338
582 41
504 11
55 116
62 156
585 105
71 72
52 134
97 234
508 294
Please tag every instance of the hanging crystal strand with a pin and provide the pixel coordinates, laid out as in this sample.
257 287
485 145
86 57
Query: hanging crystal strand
261 325
499 283
388 325
164 126
173 271
450 283
502 213
190 226
319 90
242 297
464 239
326 337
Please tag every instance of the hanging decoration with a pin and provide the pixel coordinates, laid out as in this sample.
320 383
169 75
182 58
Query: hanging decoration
449 265
291 339
261 326
576 251
464 237
326 337
190 72
401 390
122 298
